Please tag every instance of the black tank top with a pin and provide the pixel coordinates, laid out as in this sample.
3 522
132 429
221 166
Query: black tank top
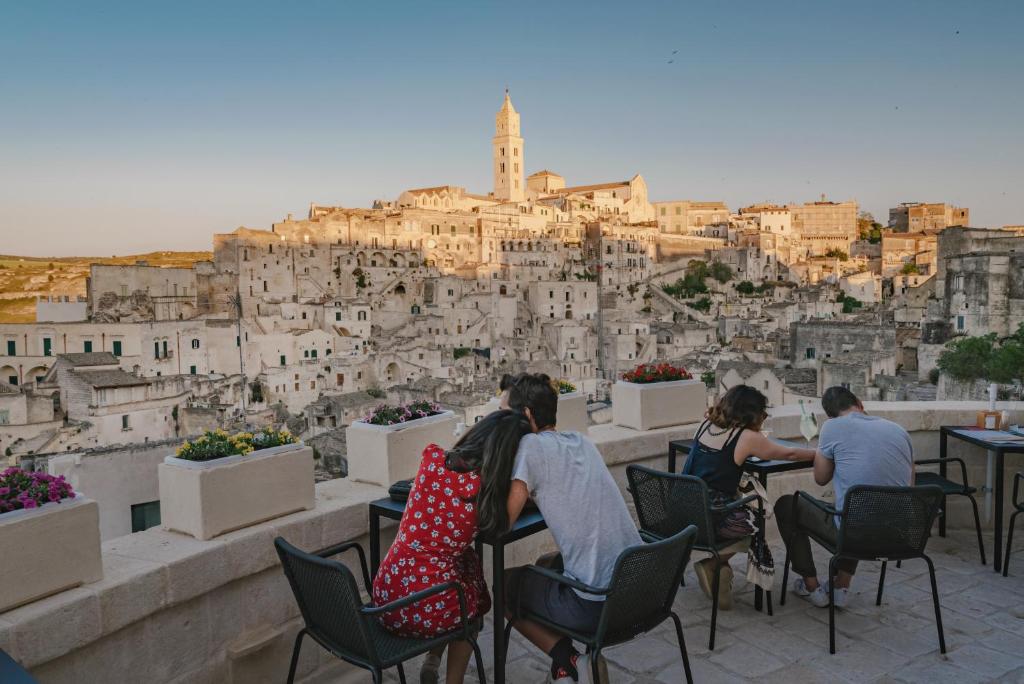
717 467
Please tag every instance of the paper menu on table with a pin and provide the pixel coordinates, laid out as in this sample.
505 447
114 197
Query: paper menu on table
995 435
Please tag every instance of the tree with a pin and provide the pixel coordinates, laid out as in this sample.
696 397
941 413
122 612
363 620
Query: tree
708 378
702 304
360 278
698 269
721 272
966 359
910 269
745 287
836 253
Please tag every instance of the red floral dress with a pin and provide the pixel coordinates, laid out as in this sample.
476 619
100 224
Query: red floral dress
434 545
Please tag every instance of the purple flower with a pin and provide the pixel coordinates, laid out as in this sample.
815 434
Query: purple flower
4 491
29 503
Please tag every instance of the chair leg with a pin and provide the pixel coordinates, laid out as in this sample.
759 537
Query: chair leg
714 606
935 600
977 528
508 633
1009 545
595 670
378 676
682 648
768 601
881 583
401 674
832 606
295 655
785 580
481 675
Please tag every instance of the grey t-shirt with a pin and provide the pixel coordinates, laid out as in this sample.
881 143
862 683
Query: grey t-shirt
866 450
580 501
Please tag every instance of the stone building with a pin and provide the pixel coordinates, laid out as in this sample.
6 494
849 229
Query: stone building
813 341
687 217
915 217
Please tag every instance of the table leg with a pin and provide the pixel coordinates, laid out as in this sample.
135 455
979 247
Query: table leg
942 474
998 528
758 592
498 608
671 458
374 542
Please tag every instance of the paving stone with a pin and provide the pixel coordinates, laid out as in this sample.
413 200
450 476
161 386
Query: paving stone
858 661
977 659
703 671
934 670
746 661
643 656
898 640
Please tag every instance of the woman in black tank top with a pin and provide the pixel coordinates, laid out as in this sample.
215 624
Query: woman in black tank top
738 416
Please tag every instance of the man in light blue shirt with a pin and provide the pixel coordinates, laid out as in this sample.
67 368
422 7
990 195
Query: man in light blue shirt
853 449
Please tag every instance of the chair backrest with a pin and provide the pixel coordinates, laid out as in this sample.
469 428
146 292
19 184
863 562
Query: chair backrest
667 503
888 522
644 585
329 600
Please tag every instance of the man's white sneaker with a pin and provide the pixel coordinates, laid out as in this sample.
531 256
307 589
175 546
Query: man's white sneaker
841 597
586 676
818 597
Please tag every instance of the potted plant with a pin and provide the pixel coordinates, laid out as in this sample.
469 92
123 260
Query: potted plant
658 395
572 408
50 534
222 482
386 445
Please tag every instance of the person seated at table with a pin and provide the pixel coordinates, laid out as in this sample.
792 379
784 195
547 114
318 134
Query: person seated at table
853 449
584 509
455 496
729 435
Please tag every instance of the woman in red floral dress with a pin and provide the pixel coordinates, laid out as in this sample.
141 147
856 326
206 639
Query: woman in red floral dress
454 496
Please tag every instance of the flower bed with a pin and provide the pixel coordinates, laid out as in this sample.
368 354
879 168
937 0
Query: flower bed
662 372
387 444
566 387
394 415
51 534
658 395
218 444
20 489
221 482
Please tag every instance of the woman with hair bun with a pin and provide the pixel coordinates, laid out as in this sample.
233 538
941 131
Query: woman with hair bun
729 435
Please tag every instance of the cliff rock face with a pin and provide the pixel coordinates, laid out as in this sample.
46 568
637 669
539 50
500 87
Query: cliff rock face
113 308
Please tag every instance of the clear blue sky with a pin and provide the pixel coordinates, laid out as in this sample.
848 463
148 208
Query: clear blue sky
135 126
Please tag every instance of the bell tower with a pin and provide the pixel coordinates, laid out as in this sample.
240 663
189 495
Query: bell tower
507 147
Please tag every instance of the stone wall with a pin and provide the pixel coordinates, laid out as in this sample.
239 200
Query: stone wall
182 610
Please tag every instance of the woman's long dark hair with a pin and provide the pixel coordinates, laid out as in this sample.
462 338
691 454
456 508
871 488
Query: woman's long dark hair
489 447
741 407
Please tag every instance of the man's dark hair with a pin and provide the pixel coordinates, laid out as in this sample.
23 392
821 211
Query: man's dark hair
536 392
506 382
838 399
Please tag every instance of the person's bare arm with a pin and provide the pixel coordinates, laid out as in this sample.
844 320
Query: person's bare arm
517 497
753 443
824 468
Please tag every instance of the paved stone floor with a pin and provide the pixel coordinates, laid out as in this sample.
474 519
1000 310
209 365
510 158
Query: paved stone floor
982 612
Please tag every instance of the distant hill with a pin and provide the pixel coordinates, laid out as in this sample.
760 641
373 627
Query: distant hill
22 279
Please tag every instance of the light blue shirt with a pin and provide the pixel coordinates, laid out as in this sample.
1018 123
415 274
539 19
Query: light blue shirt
866 450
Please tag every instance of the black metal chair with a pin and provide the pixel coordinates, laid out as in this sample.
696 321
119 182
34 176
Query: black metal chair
877 524
1019 505
337 619
669 502
952 488
639 597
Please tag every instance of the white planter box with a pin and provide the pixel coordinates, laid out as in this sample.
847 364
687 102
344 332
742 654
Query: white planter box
572 412
49 549
207 498
646 406
384 454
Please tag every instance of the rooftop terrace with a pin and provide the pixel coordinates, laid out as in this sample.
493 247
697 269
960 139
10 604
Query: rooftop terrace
172 609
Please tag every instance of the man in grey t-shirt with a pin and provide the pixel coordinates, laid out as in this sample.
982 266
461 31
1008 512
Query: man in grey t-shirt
853 449
566 476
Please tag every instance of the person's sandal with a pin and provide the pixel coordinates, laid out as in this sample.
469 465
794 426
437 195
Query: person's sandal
429 670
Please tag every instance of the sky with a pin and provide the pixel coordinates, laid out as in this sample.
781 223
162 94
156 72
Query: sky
132 127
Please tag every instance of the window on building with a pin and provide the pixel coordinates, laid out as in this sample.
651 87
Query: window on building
361 316
156 349
87 346
283 360
145 515
5 417
337 315
809 353
126 422
12 348
313 353
195 344
164 345
191 370
117 347
305 353
959 322
47 346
